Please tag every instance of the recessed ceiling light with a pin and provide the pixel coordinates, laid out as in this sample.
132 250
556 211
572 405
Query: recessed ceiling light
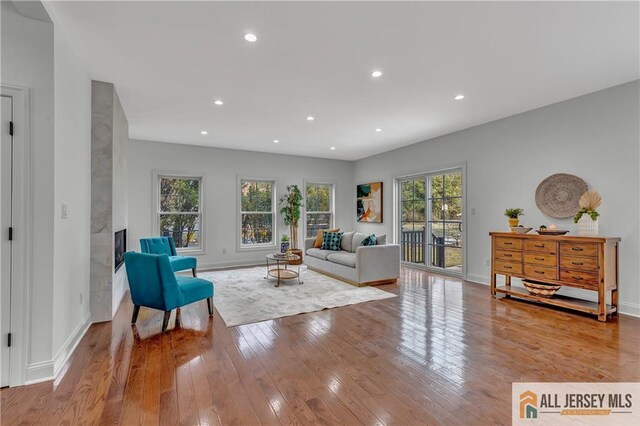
218 102
251 38
376 74
276 141
333 148
310 118
378 130
459 97
204 132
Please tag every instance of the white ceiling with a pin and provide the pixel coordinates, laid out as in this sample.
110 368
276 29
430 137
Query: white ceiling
170 60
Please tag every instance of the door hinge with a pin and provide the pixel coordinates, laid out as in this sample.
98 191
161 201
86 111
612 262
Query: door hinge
11 233
11 128
9 340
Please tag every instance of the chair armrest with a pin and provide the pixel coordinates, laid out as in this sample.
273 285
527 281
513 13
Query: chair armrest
375 263
308 243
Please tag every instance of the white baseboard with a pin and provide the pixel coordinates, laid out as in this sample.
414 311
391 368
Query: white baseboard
626 308
49 370
230 264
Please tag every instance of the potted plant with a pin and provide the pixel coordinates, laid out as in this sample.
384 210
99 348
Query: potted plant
587 216
290 205
513 215
284 243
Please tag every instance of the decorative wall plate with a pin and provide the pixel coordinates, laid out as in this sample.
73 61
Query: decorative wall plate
558 195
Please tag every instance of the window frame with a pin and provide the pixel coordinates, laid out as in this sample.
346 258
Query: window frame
156 213
332 202
240 246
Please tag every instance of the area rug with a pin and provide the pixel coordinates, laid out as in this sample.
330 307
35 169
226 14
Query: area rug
244 296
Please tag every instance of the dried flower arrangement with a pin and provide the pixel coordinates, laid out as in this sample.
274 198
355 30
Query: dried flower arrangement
589 203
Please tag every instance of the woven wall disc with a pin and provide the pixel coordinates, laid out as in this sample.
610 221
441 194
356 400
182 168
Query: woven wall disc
559 195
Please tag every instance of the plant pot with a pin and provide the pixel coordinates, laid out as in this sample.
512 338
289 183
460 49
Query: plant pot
284 247
587 227
513 222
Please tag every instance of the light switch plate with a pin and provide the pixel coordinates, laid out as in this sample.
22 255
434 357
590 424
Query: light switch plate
64 210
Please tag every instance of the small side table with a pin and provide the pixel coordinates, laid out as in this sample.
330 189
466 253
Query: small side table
277 267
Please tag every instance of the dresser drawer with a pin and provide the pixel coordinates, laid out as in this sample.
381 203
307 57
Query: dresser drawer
582 263
540 272
550 247
581 278
508 268
513 256
508 243
541 259
579 249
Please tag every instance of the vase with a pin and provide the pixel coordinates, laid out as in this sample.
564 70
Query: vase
587 227
513 222
284 246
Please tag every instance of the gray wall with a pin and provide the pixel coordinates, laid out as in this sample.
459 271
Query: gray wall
220 168
595 136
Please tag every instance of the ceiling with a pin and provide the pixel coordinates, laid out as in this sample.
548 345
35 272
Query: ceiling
170 60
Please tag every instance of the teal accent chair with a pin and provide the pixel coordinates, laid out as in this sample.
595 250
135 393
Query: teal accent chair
165 245
154 284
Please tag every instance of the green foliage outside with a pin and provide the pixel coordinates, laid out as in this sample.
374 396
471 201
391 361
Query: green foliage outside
180 210
318 208
256 200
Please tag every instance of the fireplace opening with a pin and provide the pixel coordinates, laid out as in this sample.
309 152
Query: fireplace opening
120 247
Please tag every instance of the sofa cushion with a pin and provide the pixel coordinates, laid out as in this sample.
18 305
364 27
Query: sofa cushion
357 240
320 236
347 241
319 253
331 241
369 241
343 258
381 239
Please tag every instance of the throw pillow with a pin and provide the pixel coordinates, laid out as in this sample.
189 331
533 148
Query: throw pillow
320 234
347 240
331 241
381 239
369 241
358 237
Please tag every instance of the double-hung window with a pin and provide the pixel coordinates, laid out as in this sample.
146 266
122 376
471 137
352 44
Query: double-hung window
180 210
319 204
257 206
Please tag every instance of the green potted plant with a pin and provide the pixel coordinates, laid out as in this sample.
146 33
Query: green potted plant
290 206
587 216
284 243
513 215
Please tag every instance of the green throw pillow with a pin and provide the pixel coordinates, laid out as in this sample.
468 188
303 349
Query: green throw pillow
331 241
371 240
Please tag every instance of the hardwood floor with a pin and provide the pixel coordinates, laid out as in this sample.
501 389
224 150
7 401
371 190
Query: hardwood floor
443 352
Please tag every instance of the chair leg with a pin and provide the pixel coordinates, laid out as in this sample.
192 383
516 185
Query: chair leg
193 270
165 320
210 306
134 318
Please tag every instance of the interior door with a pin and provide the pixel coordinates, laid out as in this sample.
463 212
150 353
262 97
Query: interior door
6 174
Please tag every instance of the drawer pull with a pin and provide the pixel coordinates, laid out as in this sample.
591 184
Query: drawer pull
539 272
507 267
539 258
576 278
539 245
577 248
507 255
508 244
577 263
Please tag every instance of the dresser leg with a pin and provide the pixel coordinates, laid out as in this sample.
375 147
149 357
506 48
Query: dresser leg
493 285
614 299
602 303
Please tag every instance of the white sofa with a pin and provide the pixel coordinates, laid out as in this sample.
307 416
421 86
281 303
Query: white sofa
356 264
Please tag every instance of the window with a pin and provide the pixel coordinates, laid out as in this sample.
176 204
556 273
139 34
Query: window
257 200
319 202
180 211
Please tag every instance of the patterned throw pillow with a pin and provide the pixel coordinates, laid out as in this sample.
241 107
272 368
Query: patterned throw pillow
369 241
331 241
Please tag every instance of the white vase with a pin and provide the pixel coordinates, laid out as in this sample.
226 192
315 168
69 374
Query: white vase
587 227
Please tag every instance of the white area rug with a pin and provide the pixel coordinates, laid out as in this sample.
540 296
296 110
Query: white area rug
243 296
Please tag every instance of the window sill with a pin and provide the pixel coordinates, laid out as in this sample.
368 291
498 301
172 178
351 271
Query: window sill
190 252
261 247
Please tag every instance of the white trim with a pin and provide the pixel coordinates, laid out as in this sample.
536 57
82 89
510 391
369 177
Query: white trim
69 346
39 372
274 211
155 205
23 224
306 182
231 264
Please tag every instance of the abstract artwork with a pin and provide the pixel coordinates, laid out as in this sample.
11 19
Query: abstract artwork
369 202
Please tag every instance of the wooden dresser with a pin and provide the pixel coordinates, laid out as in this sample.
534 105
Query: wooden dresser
589 263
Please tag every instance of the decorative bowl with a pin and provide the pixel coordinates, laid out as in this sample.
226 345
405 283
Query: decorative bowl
551 231
520 229
541 289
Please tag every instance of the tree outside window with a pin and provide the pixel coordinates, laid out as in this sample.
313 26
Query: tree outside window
256 205
319 204
180 210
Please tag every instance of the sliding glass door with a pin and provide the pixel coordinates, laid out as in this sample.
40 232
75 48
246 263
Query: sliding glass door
431 220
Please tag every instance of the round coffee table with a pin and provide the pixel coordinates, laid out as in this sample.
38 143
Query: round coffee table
277 267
